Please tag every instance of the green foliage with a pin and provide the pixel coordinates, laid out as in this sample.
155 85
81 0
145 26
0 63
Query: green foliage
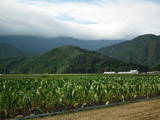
9 50
142 50
67 59
156 68
47 93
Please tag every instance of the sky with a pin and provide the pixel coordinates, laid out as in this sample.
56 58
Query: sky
82 19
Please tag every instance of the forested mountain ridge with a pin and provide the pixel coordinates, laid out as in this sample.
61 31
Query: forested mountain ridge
66 59
9 50
144 50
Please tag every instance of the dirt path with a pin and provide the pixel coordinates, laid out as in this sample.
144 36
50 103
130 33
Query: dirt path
149 110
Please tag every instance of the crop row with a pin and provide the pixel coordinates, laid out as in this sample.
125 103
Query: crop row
48 94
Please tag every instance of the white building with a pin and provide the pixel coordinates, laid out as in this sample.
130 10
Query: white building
109 73
129 72
134 71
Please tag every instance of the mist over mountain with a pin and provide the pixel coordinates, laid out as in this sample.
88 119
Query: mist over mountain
82 19
144 50
39 45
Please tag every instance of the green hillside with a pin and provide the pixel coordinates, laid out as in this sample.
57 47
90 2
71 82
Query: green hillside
144 50
67 59
9 50
156 68
10 64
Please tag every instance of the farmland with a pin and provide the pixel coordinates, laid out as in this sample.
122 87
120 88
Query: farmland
145 110
34 94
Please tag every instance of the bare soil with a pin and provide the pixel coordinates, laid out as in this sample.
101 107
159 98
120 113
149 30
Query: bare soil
148 110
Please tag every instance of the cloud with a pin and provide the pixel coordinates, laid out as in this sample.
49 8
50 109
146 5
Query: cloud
95 19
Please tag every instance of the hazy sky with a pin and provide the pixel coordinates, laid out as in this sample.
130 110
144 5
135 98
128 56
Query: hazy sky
83 19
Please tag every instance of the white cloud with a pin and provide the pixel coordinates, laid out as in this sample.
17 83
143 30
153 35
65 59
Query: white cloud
117 19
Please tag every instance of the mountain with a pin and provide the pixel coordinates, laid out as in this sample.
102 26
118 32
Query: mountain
9 50
10 64
39 45
156 68
66 59
144 50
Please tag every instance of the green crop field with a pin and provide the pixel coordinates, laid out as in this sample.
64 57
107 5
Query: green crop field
33 94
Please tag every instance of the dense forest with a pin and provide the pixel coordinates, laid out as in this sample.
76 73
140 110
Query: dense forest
144 50
66 59
9 50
